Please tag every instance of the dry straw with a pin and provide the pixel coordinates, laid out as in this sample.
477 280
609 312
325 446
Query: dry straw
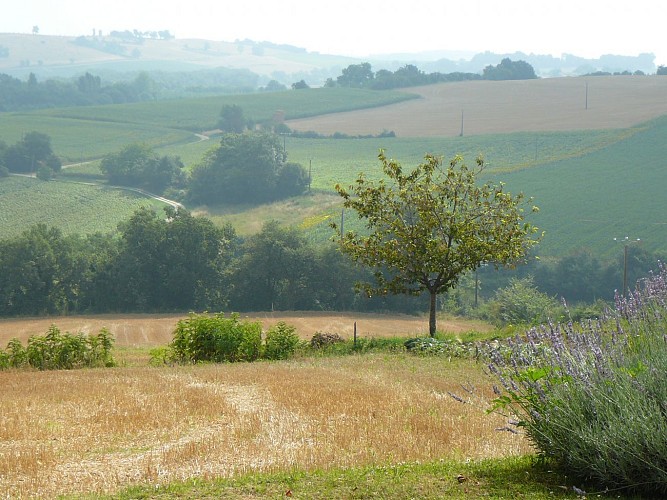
99 430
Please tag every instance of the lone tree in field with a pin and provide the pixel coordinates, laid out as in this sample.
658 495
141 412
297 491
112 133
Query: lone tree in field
430 226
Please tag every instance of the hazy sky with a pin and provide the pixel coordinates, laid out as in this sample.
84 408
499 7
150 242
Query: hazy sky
586 28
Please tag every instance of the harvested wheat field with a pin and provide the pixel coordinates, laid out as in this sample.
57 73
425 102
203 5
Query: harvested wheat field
99 430
133 330
502 107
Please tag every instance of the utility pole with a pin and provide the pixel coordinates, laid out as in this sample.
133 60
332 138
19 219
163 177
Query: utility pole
626 243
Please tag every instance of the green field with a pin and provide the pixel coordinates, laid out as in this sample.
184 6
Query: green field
590 185
75 140
199 114
74 208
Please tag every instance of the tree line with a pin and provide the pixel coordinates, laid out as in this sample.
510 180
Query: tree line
362 76
174 261
19 95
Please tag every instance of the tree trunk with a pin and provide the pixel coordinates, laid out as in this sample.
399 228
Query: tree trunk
431 317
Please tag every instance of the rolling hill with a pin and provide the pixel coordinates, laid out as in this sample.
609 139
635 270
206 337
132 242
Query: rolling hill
67 56
596 173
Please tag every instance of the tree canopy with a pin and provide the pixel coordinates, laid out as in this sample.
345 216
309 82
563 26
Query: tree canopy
232 119
509 70
138 165
428 227
31 153
246 168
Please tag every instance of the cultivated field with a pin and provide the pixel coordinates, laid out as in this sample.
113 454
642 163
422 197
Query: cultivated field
99 430
141 330
492 107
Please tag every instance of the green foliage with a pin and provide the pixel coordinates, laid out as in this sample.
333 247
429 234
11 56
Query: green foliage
16 95
444 347
427 228
138 165
592 396
232 119
44 173
246 168
521 303
509 70
275 270
361 76
281 341
32 153
216 338
173 261
60 351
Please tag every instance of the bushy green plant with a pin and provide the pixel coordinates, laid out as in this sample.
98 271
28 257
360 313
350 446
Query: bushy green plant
451 348
17 354
281 341
59 351
593 397
204 337
521 303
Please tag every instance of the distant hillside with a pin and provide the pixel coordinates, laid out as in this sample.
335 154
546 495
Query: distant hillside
47 56
63 56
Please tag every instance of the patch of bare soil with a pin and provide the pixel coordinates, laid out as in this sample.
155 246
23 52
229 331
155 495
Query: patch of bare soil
152 330
488 107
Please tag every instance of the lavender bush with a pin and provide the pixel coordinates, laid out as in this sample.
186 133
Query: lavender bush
592 397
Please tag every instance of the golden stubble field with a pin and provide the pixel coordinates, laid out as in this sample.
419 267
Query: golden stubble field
488 107
152 330
99 430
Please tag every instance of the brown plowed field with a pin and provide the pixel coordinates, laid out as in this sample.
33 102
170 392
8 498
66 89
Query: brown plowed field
154 330
489 107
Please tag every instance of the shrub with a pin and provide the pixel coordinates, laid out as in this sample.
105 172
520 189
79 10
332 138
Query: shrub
59 351
281 341
593 397
324 339
203 337
521 303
